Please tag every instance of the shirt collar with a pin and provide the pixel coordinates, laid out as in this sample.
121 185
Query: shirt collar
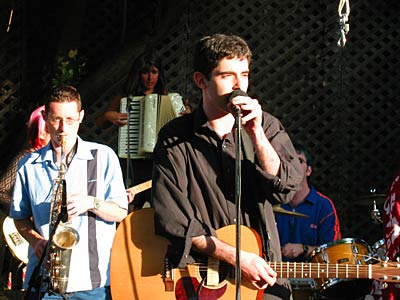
82 152
312 195
201 122
200 118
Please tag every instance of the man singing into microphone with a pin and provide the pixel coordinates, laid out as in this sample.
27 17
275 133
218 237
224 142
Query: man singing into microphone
194 170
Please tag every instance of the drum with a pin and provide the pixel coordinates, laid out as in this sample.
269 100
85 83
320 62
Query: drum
304 289
345 251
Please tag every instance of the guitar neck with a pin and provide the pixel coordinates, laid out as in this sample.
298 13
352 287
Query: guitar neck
320 270
140 187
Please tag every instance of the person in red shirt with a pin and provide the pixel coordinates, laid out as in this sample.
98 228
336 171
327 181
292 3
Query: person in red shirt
391 221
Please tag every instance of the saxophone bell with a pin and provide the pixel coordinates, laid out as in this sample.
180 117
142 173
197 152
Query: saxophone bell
65 237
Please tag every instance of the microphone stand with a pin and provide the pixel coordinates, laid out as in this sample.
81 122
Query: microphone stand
238 189
36 280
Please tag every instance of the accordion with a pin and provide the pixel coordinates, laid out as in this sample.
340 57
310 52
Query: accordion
146 115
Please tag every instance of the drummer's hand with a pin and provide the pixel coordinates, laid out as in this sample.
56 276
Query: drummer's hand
292 250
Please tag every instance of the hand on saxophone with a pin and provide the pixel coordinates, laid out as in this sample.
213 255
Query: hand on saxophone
107 210
78 204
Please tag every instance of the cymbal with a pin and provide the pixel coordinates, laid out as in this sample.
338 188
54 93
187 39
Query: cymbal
373 196
370 198
278 209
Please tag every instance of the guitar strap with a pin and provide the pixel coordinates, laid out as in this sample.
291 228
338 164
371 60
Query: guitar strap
248 153
92 190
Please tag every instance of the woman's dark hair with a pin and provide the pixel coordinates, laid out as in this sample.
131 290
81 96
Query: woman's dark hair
143 63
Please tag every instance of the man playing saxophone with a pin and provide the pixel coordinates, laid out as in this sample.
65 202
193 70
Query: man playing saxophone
95 200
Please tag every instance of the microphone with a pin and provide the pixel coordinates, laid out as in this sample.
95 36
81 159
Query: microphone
235 93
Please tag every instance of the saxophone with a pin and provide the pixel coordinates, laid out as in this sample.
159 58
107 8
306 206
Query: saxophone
65 237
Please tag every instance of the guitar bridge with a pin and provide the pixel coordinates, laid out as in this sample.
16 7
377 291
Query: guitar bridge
169 283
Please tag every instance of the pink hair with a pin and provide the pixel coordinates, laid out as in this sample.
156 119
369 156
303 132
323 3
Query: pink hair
36 127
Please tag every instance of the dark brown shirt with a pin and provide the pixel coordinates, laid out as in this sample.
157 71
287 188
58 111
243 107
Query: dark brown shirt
194 183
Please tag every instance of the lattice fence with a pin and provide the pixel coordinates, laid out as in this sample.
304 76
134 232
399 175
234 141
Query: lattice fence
12 117
342 103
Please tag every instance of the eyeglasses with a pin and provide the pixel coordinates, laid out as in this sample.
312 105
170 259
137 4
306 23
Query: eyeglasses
55 121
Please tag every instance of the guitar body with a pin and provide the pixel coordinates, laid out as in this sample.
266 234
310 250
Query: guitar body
137 265
138 269
17 244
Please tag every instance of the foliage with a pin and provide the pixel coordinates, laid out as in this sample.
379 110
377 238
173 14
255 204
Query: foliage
69 68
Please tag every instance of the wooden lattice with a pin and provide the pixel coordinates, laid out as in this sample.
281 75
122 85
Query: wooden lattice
342 103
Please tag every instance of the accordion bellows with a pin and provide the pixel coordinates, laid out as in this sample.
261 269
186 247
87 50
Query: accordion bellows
146 116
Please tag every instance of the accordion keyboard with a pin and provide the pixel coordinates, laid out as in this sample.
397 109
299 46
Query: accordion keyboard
146 115
129 134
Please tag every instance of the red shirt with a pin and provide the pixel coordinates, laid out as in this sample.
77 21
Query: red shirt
391 219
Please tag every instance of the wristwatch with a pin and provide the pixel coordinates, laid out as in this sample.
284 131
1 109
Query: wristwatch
305 250
96 203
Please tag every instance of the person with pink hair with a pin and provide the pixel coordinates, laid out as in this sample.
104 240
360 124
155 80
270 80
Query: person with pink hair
37 137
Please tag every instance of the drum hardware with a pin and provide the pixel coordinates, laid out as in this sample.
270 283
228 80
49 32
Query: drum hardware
278 209
376 215
378 251
304 289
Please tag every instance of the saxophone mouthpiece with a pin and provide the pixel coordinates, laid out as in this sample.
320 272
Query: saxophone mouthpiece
62 139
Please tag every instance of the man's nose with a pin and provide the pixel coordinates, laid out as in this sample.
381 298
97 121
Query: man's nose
238 83
61 124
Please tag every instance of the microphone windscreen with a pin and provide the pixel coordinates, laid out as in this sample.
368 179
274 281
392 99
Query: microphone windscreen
236 93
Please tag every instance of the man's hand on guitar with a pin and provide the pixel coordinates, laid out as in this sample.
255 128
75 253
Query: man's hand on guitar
256 270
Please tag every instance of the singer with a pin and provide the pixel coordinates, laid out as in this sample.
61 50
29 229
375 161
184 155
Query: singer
194 164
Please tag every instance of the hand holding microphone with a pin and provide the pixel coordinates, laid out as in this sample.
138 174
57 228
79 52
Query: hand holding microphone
235 93
249 109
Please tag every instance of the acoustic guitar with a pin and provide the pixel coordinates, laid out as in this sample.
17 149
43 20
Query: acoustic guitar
139 270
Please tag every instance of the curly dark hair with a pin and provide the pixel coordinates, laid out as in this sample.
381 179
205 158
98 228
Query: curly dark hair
211 49
301 149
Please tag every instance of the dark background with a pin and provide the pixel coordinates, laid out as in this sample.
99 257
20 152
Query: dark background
342 103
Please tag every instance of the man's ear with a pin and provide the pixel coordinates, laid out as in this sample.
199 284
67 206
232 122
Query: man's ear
309 170
81 115
199 79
